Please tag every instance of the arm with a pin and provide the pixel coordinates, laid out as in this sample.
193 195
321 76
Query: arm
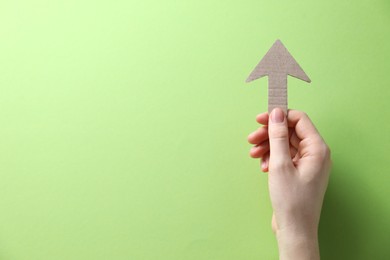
298 161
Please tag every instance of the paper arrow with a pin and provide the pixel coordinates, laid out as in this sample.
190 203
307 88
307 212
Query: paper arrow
277 64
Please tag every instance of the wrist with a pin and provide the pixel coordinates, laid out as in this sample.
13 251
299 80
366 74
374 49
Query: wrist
294 244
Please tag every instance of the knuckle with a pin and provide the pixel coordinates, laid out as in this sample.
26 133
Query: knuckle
301 113
278 133
323 152
305 115
328 152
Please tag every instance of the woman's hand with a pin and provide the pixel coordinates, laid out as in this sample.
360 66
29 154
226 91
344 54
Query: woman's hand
298 161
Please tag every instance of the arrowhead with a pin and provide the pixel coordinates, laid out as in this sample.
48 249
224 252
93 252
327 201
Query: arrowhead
278 60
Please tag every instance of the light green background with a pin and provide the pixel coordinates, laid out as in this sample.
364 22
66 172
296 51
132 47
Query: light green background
124 124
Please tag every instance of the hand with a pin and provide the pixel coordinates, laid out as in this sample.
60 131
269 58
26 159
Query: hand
298 161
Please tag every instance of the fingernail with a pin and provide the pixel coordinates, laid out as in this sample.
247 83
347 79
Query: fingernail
277 115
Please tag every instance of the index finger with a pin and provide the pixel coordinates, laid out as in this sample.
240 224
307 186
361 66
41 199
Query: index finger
304 127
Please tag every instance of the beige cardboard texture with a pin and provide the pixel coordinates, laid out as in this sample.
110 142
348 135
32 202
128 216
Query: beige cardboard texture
277 64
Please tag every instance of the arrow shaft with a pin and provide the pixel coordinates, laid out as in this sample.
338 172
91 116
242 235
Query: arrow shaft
277 91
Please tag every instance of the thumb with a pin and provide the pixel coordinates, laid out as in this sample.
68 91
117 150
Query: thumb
279 139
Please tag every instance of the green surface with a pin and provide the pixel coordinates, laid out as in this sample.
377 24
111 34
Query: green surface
124 124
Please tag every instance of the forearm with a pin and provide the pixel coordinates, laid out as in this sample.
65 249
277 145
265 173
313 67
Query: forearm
298 246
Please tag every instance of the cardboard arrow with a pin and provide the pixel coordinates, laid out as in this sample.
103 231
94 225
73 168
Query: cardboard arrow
277 64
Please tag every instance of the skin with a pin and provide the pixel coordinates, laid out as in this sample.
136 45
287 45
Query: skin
298 162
